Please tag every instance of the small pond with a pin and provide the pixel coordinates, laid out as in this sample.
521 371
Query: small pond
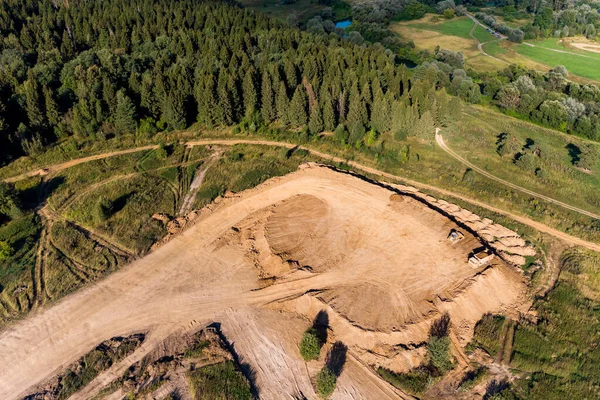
343 23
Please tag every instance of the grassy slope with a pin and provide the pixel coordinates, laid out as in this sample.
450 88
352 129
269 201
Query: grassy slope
428 35
483 35
460 27
584 65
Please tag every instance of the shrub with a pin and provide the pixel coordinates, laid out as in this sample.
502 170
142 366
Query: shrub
310 346
104 209
326 381
414 381
5 251
438 349
219 381
449 13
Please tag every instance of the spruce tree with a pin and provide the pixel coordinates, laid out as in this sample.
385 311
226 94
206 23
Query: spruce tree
357 112
282 103
315 122
250 94
125 114
33 101
225 108
267 102
381 114
206 99
298 106
51 107
328 114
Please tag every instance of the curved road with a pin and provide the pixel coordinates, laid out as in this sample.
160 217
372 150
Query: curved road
573 240
440 142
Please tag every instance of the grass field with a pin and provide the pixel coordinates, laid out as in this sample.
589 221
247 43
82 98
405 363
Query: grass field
581 63
555 357
460 26
429 36
483 35
494 48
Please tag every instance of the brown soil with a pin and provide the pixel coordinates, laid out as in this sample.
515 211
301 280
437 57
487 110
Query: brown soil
380 266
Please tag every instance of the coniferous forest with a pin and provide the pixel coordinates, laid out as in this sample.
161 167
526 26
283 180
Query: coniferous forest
98 69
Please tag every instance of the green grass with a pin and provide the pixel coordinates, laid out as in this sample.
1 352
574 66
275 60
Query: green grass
245 166
221 381
560 354
494 48
553 43
483 35
134 201
487 333
455 27
475 138
584 65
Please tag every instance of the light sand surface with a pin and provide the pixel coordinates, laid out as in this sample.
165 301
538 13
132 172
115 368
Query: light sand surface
380 266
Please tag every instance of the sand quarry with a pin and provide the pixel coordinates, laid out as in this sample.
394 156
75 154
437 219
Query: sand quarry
264 263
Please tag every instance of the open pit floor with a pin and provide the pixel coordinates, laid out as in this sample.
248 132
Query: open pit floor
263 263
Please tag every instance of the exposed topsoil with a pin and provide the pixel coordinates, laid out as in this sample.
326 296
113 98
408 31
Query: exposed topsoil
264 264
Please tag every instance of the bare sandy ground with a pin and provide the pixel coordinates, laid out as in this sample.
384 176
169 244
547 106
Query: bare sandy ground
382 269
586 46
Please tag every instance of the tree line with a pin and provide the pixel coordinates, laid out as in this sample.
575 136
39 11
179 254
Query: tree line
104 68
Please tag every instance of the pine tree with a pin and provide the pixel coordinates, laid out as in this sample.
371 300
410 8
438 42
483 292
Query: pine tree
357 112
206 100
381 114
282 104
328 114
315 123
225 109
298 106
250 94
51 107
267 99
125 114
33 101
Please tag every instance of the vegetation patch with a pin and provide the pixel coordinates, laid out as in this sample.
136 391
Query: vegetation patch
78 375
219 381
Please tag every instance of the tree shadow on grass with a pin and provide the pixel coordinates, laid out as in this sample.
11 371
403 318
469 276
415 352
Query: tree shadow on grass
574 153
121 202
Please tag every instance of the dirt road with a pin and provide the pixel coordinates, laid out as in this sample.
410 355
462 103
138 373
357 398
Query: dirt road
71 163
190 196
440 141
573 240
480 44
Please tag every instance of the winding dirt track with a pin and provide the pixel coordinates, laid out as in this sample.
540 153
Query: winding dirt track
440 141
573 240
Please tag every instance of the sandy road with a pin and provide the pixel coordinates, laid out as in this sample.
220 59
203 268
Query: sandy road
71 163
573 240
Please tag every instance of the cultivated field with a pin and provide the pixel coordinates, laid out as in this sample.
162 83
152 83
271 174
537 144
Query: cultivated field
315 240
